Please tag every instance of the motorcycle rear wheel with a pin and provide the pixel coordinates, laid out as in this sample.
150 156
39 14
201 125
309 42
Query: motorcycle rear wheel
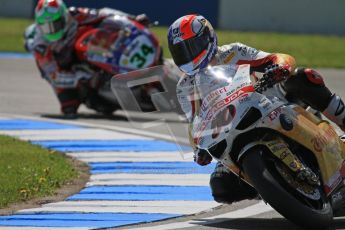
274 191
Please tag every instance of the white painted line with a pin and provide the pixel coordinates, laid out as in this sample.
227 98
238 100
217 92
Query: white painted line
149 179
141 133
128 156
95 132
176 207
113 128
253 210
70 134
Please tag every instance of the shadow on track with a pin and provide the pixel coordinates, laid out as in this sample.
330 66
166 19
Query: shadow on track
260 224
250 223
96 116
114 117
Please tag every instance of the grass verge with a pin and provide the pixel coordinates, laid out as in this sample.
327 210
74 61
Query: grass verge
12 34
309 50
28 171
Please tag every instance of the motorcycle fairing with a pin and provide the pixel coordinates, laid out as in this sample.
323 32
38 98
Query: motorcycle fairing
227 95
119 45
314 134
94 47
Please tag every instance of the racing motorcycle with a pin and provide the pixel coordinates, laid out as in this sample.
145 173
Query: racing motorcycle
116 45
119 45
294 159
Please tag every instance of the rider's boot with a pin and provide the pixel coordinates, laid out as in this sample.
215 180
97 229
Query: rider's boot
335 111
228 188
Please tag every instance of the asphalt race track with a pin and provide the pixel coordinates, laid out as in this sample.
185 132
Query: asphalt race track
24 93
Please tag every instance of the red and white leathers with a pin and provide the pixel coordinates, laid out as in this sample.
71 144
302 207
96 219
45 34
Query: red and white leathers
58 61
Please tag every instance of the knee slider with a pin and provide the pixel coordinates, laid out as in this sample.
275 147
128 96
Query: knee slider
310 75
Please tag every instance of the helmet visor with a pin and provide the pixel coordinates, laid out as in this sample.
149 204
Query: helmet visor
54 26
186 51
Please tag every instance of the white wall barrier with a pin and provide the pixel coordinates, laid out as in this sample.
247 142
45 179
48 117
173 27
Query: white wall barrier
292 16
17 8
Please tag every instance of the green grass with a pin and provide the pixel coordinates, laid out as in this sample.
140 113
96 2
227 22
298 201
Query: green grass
309 50
12 34
28 171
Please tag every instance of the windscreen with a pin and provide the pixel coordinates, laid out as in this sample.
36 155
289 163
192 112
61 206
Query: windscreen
217 88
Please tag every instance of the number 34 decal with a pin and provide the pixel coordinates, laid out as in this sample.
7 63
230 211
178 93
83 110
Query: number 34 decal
139 58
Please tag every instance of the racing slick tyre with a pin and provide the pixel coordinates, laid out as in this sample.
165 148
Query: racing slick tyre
261 168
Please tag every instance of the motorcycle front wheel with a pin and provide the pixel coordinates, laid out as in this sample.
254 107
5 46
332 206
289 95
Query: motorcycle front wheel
260 167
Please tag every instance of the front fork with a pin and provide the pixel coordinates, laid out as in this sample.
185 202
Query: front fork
301 171
281 151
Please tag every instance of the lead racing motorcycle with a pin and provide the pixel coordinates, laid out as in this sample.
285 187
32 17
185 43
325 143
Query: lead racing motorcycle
294 159
291 157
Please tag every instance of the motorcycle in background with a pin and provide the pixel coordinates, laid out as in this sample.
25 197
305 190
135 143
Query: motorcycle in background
117 45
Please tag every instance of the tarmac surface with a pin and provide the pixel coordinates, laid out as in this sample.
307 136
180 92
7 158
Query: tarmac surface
23 92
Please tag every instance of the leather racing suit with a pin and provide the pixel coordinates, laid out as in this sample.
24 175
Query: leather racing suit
301 86
59 64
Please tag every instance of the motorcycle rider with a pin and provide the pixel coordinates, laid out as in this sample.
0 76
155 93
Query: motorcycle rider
51 40
193 46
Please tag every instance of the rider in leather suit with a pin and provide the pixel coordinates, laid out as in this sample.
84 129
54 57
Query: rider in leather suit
51 40
193 46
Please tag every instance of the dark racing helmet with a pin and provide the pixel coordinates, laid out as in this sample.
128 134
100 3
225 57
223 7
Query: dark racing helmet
52 18
192 43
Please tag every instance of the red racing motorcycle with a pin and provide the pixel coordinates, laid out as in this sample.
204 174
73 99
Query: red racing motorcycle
119 45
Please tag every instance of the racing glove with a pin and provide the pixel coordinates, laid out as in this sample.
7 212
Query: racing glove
276 73
273 74
202 157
